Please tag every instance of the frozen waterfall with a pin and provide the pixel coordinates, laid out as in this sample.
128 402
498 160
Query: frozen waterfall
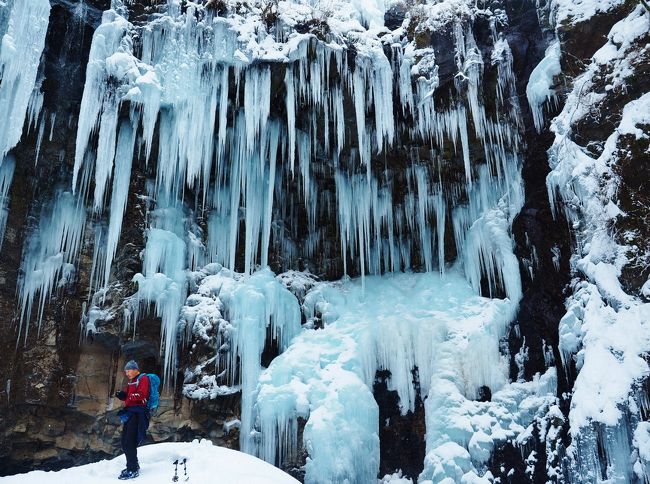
267 151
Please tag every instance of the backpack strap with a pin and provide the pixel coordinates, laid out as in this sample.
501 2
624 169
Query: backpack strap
137 382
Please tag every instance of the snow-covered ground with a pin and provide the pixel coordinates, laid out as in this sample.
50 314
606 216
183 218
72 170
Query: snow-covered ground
206 463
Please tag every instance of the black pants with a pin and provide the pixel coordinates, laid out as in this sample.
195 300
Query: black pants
130 442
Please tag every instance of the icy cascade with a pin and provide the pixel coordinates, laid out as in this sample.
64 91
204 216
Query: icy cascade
163 281
238 312
539 90
397 323
23 39
251 136
199 91
605 330
49 254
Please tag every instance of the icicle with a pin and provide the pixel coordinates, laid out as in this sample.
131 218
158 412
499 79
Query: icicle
482 232
106 41
274 135
163 281
49 254
6 177
257 97
120 193
359 84
423 212
440 208
105 148
20 54
291 115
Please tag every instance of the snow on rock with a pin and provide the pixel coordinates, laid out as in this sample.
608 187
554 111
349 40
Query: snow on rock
575 11
395 478
206 464
645 290
235 312
642 442
605 330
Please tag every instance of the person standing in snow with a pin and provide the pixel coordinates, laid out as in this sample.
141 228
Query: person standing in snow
134 417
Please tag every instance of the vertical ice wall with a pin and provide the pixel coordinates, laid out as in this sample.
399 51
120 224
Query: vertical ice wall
434 335
235 134
163 281
23 26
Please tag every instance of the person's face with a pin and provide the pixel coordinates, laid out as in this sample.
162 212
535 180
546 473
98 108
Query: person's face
131 374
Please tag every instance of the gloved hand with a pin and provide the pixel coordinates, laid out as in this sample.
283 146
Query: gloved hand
121 395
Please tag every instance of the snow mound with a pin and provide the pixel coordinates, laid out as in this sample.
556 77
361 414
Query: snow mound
206 463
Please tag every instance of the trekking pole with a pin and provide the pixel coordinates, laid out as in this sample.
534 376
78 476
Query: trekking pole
185 469
175 478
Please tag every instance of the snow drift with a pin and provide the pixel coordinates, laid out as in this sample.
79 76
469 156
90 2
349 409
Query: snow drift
206 463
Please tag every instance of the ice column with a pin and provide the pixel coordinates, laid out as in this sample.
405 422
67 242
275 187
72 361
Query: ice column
539 90
6 176
99 103
120 192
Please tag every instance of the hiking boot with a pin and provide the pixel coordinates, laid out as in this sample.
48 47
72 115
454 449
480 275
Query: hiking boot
125 470
127 474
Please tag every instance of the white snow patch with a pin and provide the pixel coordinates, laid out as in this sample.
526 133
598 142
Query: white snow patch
206 464
575 11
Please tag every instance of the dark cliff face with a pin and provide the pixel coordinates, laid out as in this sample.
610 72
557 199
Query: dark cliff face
57 411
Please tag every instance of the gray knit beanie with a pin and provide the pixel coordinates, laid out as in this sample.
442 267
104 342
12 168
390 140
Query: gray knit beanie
131 365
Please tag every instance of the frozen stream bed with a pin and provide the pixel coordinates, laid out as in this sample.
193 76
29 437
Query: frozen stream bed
433 323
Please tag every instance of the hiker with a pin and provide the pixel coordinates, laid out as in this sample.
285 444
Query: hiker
134 417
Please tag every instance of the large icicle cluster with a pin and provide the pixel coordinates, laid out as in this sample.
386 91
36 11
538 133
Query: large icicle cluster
437 325
182 80
199 88
236 312
539 90
605 330
23 25
50 252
